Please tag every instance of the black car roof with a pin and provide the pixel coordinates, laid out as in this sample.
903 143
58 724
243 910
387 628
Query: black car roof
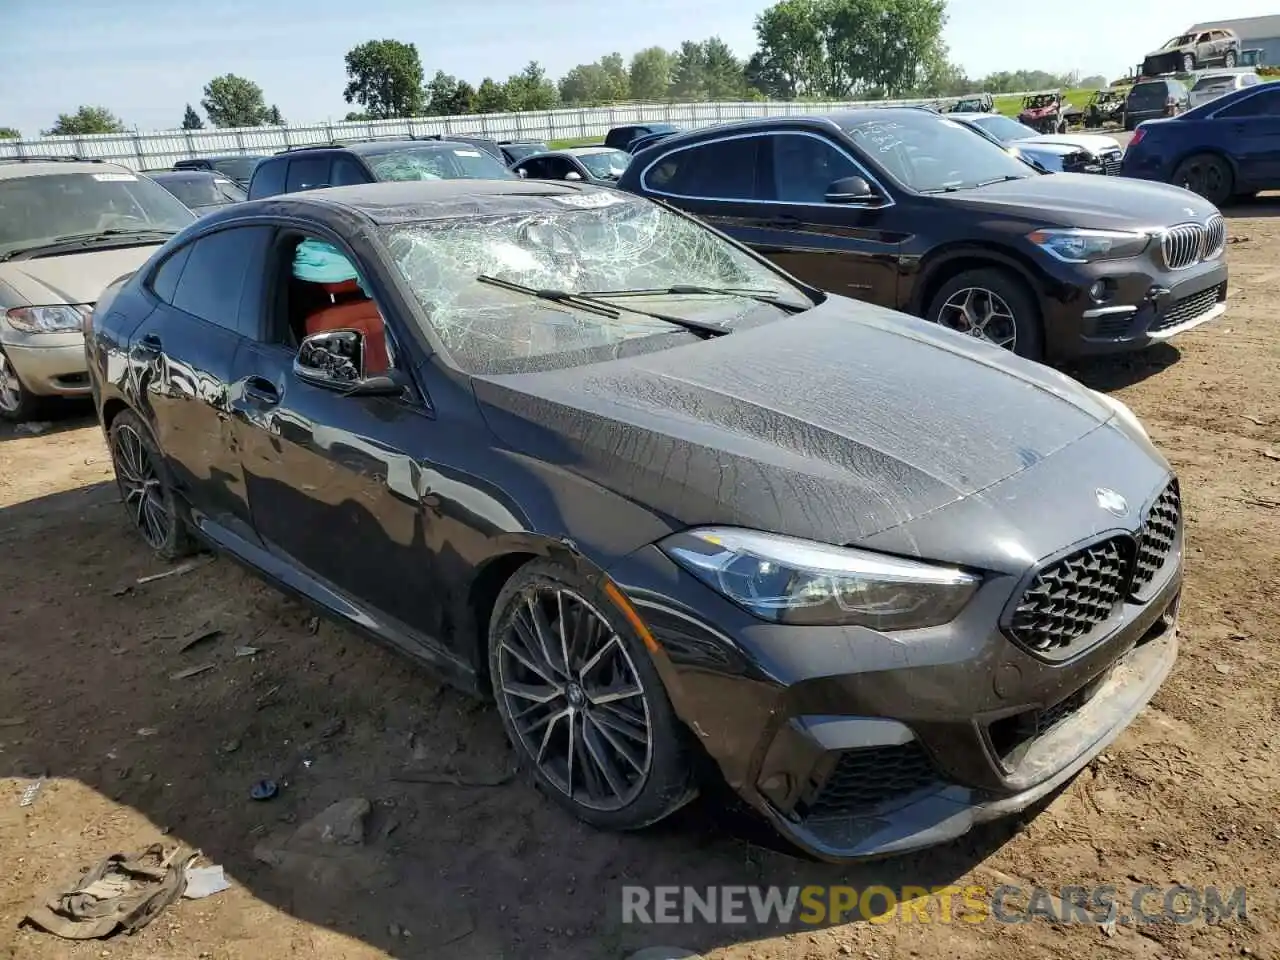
225 156
395 202
185 176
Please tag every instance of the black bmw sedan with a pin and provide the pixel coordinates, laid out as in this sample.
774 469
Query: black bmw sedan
657 498
905 208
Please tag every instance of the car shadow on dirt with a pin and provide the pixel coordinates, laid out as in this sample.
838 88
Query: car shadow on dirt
175 696
1124 369
64 417
1263 205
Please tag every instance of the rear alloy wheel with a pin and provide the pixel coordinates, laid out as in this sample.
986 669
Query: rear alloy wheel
145 488
990 305
582 702
1230 59
17 403
1208 175
1188 62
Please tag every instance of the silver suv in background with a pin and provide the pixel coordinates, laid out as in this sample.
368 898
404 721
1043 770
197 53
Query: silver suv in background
68 228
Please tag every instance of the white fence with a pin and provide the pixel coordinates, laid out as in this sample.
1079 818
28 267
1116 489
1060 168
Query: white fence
146 151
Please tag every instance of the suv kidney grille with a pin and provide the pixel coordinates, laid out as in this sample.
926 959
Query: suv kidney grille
1189 243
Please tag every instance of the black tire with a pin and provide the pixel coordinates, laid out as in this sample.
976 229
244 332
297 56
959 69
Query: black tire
659 786
1188 62
1129 125
1208 175
1230 59
17 403
1028 339
153 511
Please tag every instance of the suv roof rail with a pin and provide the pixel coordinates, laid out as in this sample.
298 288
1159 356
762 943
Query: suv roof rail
50 158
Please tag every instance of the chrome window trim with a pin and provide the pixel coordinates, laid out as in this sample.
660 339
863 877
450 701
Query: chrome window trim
839 148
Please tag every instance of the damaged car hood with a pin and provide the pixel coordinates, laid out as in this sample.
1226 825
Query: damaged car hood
834 424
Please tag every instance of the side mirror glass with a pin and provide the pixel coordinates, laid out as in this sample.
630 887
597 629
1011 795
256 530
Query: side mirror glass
334 360
851 190
522 172
573 175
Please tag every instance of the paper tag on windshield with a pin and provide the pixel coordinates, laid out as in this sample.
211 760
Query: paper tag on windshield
588 199
466 153
114 177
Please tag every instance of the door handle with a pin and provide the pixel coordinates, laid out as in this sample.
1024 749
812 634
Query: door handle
261 391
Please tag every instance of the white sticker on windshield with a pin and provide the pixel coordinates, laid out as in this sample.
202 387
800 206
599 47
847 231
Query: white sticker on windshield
114 177
588 199
466 153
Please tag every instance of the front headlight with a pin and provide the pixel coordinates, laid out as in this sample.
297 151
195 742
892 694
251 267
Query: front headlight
59 319
803 582
1086 246
1125 415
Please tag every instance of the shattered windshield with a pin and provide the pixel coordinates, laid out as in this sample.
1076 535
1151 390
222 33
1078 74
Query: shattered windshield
436 163
1181 41
584 243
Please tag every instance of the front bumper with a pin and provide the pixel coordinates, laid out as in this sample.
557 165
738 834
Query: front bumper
49 364
856 745
1147 306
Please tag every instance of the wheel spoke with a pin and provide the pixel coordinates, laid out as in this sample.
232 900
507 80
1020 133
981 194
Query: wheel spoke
600 752
619 747
612 694
542 630
525 656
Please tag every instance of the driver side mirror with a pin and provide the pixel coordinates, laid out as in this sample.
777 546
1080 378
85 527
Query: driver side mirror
573 175
334 360
851 190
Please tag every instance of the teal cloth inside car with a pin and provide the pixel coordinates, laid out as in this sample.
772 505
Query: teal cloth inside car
318 262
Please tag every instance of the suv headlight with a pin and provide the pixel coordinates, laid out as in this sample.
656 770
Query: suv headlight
1086 246
802 582
59 319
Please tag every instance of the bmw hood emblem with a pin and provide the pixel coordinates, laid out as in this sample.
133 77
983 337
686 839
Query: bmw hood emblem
1111 502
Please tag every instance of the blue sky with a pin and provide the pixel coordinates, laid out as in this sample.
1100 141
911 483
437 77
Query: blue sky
145 59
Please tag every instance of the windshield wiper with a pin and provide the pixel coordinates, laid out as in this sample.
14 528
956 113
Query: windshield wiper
693 289
1005 179
586 303
73 239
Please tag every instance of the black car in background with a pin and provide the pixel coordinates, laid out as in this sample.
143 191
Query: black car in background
1153 99
307 168
599 165
907 209
200 190
514 151
620 138
238 167
648 140
889 581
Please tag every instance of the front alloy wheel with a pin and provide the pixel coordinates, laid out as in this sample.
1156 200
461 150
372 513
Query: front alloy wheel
993 305
980 313
145 488
16 402
582 703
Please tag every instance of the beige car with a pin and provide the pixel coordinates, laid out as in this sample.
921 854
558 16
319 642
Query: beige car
67 230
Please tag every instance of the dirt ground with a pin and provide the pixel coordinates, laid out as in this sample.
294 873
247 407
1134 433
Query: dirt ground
88 698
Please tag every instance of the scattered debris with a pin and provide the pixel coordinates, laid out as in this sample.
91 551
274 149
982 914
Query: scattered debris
313 625
1222 668
183 568
264 790
1271 454
231 746
202 637
12 721
412 775
121 591
148 732
341 823
1109 928
33 427
191 672
1259 502
247 651
269 697
1236 239
120 892
1253 420
205 882
31 792
332 728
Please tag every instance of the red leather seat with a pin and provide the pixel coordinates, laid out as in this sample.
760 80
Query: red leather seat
359 315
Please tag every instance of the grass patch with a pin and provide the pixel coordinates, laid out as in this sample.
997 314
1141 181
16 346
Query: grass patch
1012 106
576 142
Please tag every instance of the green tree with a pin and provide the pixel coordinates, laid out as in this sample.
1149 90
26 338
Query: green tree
530 89
232 101
584 86
191 120
274 117
355 116
688 80
448 96
791 60
10 133
722 73
1095 81
650 74
85 121
618 77
491 97
385 78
